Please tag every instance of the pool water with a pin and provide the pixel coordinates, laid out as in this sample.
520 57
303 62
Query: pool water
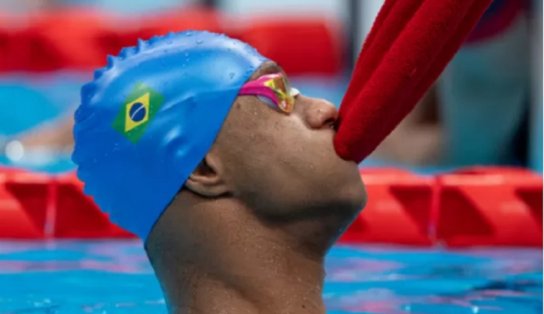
115 277
67 277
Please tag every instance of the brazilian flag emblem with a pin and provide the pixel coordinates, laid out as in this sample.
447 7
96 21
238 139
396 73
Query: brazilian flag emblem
137 112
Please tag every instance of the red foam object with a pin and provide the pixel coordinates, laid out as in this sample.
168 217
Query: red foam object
77 216
398 209
508 172
490 207
301 45
127 31
409 45
6 37
61 39
473 206
186 19
23 206
34 206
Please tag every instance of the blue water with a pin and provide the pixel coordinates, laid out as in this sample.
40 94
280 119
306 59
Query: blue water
115 277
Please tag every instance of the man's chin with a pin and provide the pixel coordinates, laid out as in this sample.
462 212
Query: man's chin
353 195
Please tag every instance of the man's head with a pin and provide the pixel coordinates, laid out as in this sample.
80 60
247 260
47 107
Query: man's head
169 119
281 165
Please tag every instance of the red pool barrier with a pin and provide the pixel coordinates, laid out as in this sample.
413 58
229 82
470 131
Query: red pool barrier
37 206
23 204
398 209
492 206
127 30
61 39
177 21
471 207
82 38
6 33
77 216
301 45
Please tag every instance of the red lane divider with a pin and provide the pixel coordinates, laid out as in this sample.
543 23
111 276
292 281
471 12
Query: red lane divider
300 45
38 206
474 206
22 215
490 207
9 29
61 39
189 19
77 216
125 32
81 38
398 209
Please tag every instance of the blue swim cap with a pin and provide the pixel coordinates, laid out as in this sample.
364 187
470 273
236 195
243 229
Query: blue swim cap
149 118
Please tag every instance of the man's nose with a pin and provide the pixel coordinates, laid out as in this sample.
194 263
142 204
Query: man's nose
317 113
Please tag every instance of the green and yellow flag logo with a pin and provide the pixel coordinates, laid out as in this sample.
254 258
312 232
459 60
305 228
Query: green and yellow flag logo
137 112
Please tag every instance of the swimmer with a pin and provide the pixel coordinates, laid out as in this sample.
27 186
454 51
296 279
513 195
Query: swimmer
200 146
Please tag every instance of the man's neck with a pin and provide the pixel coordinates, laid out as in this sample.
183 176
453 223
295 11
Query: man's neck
245 269
279 283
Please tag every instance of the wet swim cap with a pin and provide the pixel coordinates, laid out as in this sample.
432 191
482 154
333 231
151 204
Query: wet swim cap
150 117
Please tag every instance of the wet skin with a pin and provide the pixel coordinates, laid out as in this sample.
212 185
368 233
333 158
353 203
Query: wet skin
250 228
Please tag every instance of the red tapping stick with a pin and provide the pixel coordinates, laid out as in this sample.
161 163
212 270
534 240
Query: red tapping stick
408 47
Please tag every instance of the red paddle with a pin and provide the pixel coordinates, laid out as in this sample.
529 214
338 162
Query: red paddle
409 45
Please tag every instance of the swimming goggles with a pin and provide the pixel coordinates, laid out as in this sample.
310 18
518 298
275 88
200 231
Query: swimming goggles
272 89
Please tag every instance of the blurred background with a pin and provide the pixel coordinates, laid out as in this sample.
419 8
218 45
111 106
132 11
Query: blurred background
486 109
417 247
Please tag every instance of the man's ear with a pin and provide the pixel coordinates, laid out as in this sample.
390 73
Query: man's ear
206 180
